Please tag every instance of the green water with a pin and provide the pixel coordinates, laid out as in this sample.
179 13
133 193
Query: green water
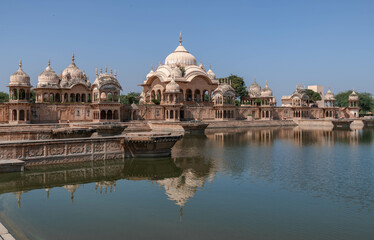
244 184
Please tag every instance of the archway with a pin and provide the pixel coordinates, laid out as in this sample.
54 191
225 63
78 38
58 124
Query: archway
78 97
102 115
14 115
115 114
197 96
72 97
57 97
21 115
66 97
109 115
83 97
188 95
205 96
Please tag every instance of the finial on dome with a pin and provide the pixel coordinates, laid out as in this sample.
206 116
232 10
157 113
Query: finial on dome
210 67
266 83
106 69
152 67
255 79
159 64
101 70
49 62
72 58
115 73
20 64
111 72
96 72
180 39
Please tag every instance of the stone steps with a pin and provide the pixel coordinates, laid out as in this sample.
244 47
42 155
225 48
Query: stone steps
4 234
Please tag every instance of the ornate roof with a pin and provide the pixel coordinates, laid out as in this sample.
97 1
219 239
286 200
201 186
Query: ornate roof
20 78
254 90
180 57
210 73
224 89
353 96
48 78
106 80
266 91
72 76
329 95
172 87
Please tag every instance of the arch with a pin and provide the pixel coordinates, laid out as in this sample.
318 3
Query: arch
83 96
89 97
171 114
224 114
57 97
102 115
115 96
110 97
27 115
66 97
158 95
109 115
197 95
14 115
45 97
189 95
167 114
21 115
72 97
116 116
51 97
78 98
206 96
103 96
153 95
181 96
15 94
22 94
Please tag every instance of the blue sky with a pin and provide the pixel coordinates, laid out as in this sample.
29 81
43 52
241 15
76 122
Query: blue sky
329 43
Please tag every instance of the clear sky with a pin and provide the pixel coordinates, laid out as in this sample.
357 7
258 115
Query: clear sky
326 42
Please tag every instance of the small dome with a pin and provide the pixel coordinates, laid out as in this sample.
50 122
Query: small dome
48 78
176 72
172 87
353 96
254 90
73 70
329 95
20 78
107 81
224 89
266 91
211 74
180 57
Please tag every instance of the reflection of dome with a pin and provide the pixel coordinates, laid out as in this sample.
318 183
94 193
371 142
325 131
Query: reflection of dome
329 95
172 87
266 91
48 78
353 96
180 57
211 73
254 90
19 78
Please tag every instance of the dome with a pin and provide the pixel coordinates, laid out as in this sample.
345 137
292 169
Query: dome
211 73
176 72
172 87
180 57
107 81
150 74
20 78
329 95
254 90
353 96
73 70
48 78
266 91
224 90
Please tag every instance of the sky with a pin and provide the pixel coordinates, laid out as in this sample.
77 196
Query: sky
287 43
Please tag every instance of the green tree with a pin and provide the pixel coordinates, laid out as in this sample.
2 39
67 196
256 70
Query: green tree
4 97
313 96
366 101
130 98
32 96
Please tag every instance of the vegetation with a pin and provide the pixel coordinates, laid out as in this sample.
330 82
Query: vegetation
4 97
156 101
313 96
183 70
130 98
366 101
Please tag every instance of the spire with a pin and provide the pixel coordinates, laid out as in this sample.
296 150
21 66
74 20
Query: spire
101 70
254 79
210 67
106 69
49 62
152 67
20 64
266 83
111 72
180 39
115 73
72 58
96 72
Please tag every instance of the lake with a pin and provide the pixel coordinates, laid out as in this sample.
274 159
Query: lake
270 183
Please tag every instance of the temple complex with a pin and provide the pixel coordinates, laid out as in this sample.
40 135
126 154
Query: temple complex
177 90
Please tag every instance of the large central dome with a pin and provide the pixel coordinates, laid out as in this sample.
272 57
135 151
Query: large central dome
180 57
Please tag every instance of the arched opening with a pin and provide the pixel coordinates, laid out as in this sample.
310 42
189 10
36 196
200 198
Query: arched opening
103 96
115 114
51 97
224 114
15 94
78 97
115 97
57 97
66 97
153 95
89 97
102 115
167 114
158 96
22 94
205 96
72 97
83 97
109 115
21 115
171 114
197 96
28 115
14 115
189 95
45 97
110 97
181 96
